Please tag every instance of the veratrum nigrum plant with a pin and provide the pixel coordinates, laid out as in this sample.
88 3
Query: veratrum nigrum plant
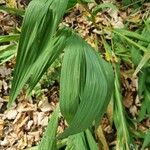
86 82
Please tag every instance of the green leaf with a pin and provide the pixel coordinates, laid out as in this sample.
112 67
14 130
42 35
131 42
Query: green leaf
46 59
14 11
146 140
82 141
136 55
71 3
36 40
133 35
126 2
86 85
48 141
121 34
90 140
77 141
7 52
143 61
8 38
87 1
123 137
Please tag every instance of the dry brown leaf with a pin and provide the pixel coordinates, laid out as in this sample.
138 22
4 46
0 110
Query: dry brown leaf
5 85
11 114
44 105
30 140
12 138
36 135
22 142
1 85
35 118
133 110
23 122
5 142
4 71
1 128
128 99
17 117
28 125
42 119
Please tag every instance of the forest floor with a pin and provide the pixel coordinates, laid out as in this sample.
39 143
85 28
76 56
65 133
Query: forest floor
23 125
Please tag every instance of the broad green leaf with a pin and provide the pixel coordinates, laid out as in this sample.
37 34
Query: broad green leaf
86 85
37 39
71 3
48 141
47 58
100 7
82 141
77 141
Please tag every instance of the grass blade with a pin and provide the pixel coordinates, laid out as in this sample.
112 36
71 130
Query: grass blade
14 11
8 38
144 60
48 141
123 137
7 52
99 7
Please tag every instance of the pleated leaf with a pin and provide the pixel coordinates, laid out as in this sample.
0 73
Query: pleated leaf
36 40
86 85
82 141
48 57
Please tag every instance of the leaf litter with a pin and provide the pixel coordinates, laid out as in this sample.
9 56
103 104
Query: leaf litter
23 125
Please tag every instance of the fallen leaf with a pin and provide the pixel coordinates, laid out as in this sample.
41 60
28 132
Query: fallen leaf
36 135
29 124
11 114
44 105
1 128
5 142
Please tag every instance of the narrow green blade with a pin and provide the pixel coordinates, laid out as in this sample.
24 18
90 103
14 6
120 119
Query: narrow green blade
48 141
